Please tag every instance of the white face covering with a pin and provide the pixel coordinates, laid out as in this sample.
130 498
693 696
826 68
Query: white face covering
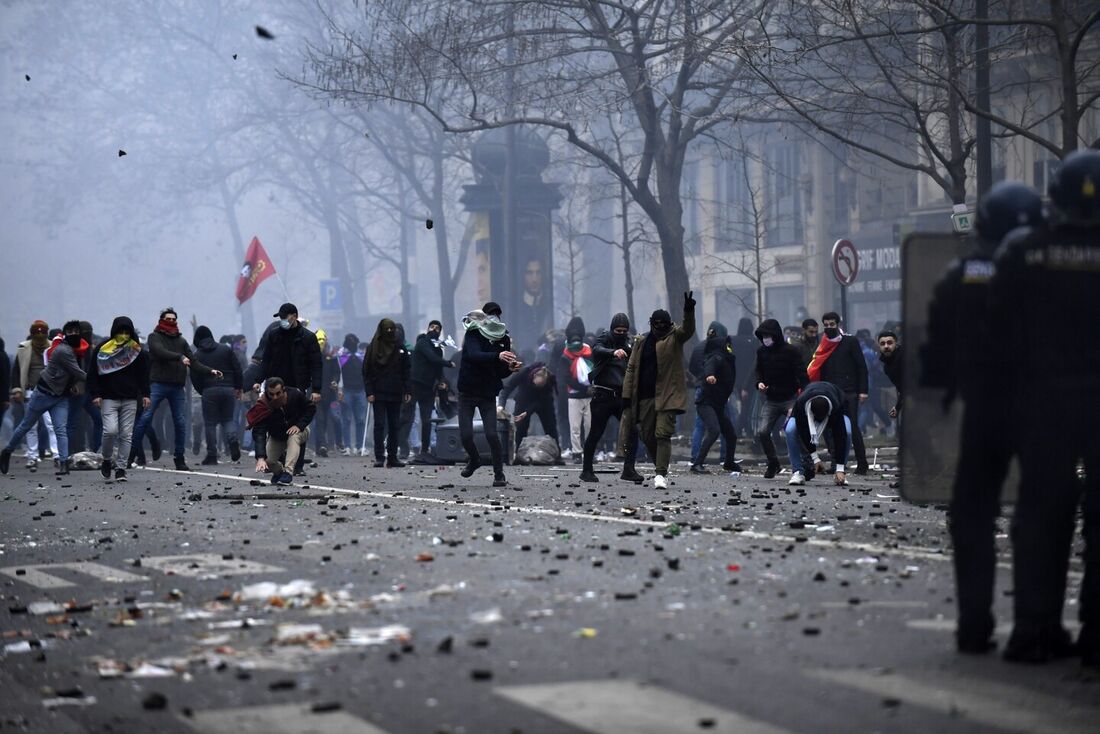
768 341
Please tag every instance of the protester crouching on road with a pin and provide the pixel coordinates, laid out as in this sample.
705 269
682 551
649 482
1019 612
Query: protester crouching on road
280 428
386 378
839 360
427 376
220 395
30 360
487 358
654 387
577 356
55 385
118 384
611 354
780 375
535 389
719 379
819 409
171 358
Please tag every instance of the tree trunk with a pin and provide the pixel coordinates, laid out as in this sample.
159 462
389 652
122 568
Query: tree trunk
248 323
628 268
670 228
447 278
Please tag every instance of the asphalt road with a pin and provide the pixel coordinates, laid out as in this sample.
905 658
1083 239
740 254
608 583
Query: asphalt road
413 600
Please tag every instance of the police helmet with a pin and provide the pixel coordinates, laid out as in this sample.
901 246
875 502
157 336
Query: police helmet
1075 189
1008 205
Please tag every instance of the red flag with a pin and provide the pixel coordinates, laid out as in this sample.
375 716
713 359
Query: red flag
257 268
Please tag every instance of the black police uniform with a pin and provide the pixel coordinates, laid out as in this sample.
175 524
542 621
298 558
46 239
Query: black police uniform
1048 282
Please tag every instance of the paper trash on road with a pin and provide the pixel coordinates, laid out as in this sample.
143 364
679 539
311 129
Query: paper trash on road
377 635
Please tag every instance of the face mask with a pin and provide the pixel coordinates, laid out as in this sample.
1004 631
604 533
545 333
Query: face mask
661 329
575 346
768 341
832 332
122 337
284 323
73 340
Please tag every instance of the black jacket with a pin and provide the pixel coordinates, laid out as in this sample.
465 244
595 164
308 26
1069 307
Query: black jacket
129 383
835 423
607 371
718 362
351 374
292 354
5 374
893 368
779 366
217 357
389 381
481 374
427 362
744 352
846 367
330 373
524 390
298 410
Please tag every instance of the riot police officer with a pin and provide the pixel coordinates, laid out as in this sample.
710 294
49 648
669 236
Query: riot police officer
964 355
1047 282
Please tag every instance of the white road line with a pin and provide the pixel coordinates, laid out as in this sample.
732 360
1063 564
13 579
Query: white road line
282 719
943 624
34 575
1004 707
206 565
629 707
866 548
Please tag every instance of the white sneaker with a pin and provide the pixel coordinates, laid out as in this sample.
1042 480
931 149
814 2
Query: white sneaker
346 452
659 482
32 462
797 478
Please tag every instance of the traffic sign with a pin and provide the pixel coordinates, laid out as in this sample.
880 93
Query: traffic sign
845 262
962 221
331 299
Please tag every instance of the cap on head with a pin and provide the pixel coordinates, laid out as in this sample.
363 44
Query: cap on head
492 308
1075 189
285 310
1008 205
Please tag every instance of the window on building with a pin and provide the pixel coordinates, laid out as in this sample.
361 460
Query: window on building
732 304
736 220
783 195
785 303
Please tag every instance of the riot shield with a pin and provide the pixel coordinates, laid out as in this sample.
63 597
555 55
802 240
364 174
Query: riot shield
929 429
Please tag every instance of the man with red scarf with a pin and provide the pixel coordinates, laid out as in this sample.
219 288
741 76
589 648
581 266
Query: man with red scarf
839 360
170 357
578 386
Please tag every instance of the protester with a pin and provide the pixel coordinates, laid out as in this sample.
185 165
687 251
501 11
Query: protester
891 357
818 409
30 361
220 395
427 376
171 358
350 358
696 369
118 384
487 358
578 386
85 422
328 417
807 342
535 389
386 380
744 346
51 393
780 375
280 428
839 360
610 356
719 380
5 380
654 386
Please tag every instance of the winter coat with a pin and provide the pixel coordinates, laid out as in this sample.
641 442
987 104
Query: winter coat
21 368
526 394
217 357
805 349
744 351
718 362
298 410
846 367
330 373
427 363
166 354
62 372
388 382
292 354
607 370
481 373
835 423
129 383
671 393
780 365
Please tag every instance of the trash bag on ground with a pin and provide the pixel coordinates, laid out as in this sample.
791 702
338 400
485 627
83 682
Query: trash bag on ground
85 460
538 451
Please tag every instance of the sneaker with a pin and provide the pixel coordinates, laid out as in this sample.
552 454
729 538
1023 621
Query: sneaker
210 461
5 460
499 480
105 468
323 452
471 466
181 464
378 463
798 478
284 479
659 482
347 452
62 469
32 462
733 467
862 469
234 451
1030 645
589 476
772 470
157 452
699 469
630 474
120 475
394 464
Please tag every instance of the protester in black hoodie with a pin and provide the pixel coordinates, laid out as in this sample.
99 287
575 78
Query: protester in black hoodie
744 354
610 356
818 411
780 375
118 382
535 389
719 378
219 394
427 374
386 377
5 380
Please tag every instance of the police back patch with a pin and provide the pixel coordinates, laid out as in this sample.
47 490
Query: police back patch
978 271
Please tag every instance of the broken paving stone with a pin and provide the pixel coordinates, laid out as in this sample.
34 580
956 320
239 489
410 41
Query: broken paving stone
326 707
481 674
39 608
811 631
283 685
155 702
446 645
488 616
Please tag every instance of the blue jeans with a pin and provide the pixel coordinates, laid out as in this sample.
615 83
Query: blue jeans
58 408
78 403
800 459
700 429
177 403
355 413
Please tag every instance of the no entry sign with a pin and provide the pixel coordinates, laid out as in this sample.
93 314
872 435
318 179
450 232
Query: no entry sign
845 262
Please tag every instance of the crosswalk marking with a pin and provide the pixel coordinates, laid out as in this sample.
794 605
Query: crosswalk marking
978 701
206 565
35 575
281 719
629 707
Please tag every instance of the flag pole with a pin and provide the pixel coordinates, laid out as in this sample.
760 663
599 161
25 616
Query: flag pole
286 294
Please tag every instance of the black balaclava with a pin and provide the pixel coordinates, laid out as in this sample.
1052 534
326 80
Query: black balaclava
351 342
660 323
620 321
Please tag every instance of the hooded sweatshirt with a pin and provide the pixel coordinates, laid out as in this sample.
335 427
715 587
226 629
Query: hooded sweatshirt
119 371
607 371
578 358
779 366
809 431
718 362
217 357
696 362
744 351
